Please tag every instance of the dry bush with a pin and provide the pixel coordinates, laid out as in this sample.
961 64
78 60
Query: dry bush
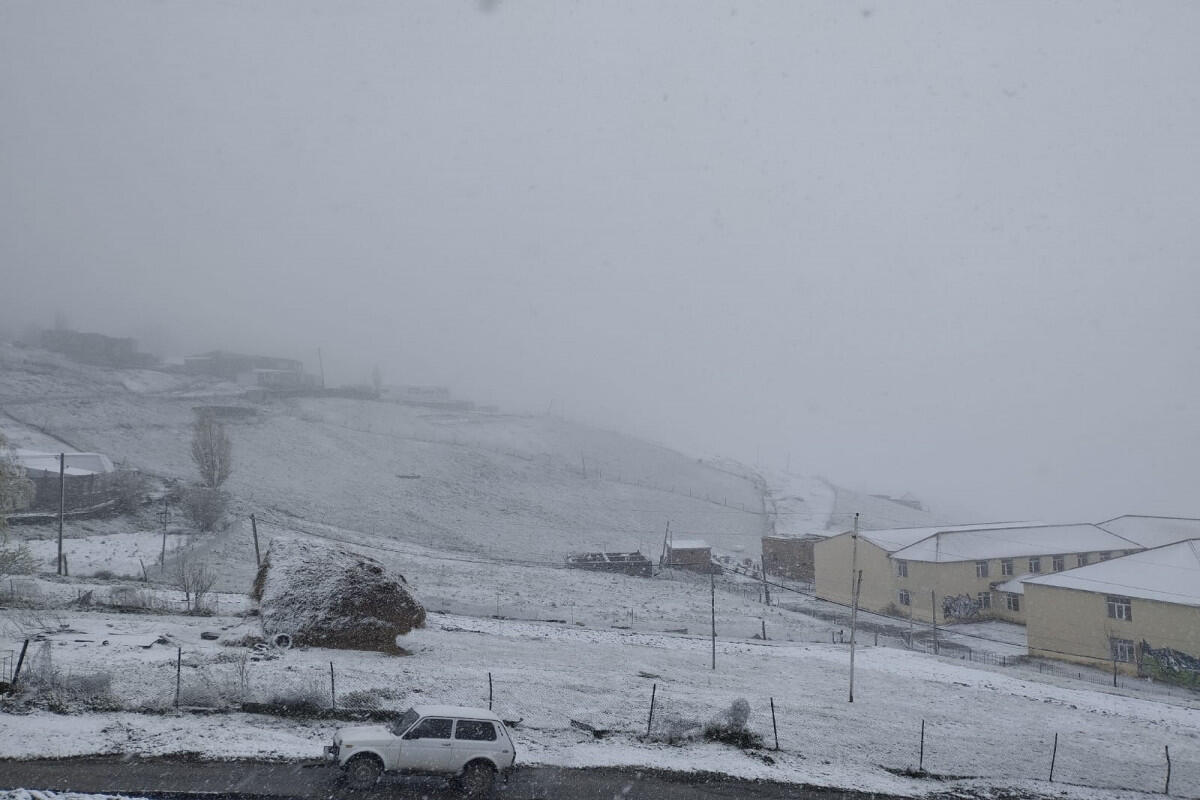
204 506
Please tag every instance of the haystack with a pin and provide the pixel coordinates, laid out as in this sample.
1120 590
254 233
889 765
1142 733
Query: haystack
326 596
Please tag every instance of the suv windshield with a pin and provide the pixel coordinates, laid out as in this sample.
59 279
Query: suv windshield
406 720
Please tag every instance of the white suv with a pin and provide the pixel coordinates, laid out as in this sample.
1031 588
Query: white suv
471 744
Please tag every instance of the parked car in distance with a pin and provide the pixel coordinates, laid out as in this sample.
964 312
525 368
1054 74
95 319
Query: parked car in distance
471 745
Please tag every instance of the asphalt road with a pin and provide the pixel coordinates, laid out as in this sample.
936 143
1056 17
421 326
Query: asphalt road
174 778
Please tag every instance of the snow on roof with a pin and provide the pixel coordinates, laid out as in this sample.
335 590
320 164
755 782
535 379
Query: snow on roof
76 463
455 711
688 544
1153 531
1170 574
1015 585
1012 542
894 539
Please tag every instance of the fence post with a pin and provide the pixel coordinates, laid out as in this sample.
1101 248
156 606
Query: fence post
1167 788
332 689
1053 756
254 529
178 672
489 691
20 661
774 729
921 758
650 722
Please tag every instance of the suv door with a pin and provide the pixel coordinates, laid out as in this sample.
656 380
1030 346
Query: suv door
476 737
427 746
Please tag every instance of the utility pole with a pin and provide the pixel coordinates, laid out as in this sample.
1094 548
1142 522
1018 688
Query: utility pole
853 554
165 515
853 630
666 538
712 585
766 586
62 504
933 615
321 366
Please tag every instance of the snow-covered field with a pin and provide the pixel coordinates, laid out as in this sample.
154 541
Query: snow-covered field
992 724
478 511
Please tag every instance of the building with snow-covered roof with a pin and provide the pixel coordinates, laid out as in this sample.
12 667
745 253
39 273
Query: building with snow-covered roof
953 573
690 554
85 479
1139 613
1150 531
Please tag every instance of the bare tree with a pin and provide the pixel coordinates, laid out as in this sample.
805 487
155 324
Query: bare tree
195 580
212 452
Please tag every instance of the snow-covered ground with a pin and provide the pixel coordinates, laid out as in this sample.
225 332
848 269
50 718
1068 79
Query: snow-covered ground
478 511
990 723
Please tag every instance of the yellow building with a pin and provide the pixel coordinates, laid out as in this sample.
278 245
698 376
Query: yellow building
1140 613
955 570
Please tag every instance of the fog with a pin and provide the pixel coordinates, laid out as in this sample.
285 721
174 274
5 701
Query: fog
947 248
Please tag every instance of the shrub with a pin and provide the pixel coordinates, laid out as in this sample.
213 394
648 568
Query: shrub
204 506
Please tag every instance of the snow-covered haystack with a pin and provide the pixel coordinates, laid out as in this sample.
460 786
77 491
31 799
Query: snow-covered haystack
326 596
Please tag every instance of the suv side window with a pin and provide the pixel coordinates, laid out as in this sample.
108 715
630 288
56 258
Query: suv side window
430 728
475 730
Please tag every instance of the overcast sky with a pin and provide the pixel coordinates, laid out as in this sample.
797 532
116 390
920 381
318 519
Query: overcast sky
941 247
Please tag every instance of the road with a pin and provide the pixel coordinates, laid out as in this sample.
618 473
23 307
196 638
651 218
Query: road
180 778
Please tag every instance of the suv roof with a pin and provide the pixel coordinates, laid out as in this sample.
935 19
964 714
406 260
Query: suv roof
456 711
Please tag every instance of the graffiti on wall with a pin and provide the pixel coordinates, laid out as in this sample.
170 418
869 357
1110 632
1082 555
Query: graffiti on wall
1172 666
959 607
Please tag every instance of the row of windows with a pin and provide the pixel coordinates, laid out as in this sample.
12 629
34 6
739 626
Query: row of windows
473 730
1118 607
1008 565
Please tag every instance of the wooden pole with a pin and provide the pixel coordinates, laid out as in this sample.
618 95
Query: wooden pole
178 672
163 558
933 616
712 587
254 530
649 722
1053 757
20 661
921 758
764 629
62 504
774 728
333 689
489 691
853 628
1167 788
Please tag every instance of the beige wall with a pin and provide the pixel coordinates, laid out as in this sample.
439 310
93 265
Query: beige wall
882 583
832 558
1073 625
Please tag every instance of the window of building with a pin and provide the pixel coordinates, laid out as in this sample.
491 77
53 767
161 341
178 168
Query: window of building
1006 567
1120 608
981 569
1121 649
1081 560
1012 602
905 600
902 568
1035 564
1060 563
1105 556
984 600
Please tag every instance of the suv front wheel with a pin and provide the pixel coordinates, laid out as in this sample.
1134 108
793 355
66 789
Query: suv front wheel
477 779
362 772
